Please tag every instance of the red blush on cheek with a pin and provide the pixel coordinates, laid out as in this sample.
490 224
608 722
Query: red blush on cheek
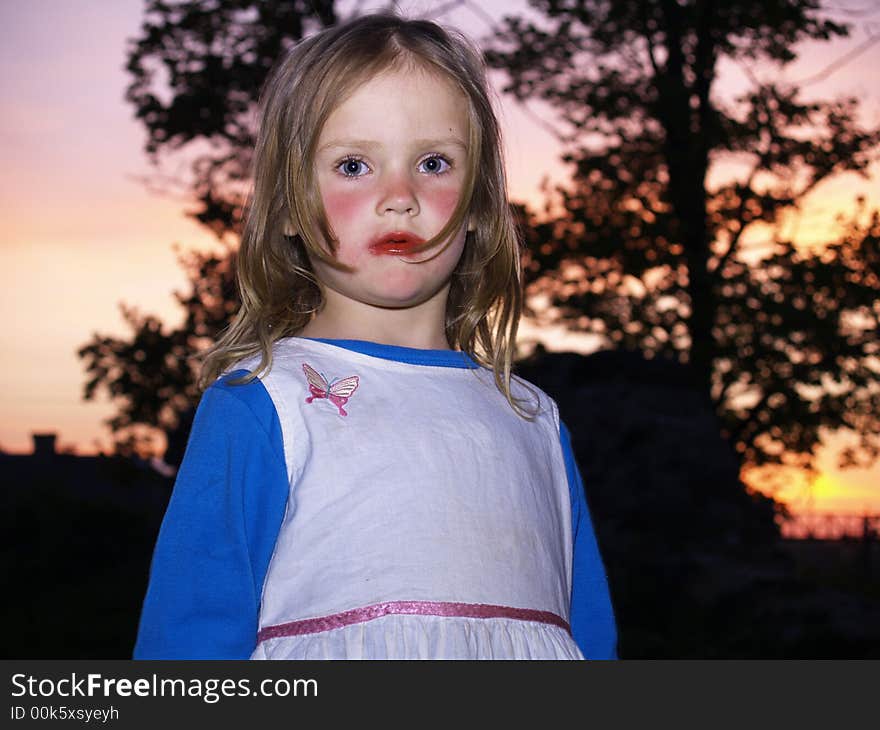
344 205
443 201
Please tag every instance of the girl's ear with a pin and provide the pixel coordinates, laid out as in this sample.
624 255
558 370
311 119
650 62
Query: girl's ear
471 226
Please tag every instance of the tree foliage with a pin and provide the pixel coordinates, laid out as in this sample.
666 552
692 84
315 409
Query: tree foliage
151 376
197 69
647 248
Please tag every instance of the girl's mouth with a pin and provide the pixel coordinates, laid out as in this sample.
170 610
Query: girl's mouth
395 243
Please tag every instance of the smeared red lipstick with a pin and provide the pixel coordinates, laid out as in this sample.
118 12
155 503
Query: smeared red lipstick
395 243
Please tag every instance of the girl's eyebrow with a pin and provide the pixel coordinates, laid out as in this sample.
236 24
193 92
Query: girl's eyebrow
371 144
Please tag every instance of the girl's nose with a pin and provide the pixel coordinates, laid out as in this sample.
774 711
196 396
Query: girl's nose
399 196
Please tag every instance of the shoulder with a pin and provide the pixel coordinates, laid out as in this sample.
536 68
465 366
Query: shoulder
283 350
287 356
535 400
236 399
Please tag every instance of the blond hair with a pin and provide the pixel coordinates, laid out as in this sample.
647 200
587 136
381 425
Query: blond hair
278 289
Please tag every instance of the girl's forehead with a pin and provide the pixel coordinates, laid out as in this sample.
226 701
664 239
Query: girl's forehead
399 101
408 82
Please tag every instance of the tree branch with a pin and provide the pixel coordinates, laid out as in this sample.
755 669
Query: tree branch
734 241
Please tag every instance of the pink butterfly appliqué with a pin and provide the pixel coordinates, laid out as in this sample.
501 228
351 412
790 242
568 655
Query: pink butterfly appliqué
337 392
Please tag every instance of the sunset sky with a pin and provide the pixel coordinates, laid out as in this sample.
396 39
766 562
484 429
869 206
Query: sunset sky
82 232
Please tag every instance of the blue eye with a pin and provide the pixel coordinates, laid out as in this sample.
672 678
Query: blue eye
352 167
435 164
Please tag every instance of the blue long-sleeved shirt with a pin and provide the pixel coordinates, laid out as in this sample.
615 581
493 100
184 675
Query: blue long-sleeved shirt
219 532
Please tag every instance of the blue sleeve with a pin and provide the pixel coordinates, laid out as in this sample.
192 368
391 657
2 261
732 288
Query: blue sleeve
219 531
592 615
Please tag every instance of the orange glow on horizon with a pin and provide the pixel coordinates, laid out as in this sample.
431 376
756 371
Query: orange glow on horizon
848 492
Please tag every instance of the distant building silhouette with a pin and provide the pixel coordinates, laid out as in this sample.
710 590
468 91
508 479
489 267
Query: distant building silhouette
44 445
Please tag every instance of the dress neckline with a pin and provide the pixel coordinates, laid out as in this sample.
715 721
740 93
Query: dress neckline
398 353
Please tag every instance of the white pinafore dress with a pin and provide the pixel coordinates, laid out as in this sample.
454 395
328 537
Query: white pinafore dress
425 520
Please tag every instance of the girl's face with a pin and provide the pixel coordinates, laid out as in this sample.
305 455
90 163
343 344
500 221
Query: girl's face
391 162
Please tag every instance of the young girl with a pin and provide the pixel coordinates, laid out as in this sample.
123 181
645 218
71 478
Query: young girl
364 477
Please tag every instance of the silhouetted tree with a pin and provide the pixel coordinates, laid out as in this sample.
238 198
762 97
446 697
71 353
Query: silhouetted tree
646 251
152 376
197 70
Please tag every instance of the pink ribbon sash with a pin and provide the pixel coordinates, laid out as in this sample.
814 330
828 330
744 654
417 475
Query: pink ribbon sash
413 608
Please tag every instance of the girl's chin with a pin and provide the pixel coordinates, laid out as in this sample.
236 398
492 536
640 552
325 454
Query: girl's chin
399 300
398 286
403 289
